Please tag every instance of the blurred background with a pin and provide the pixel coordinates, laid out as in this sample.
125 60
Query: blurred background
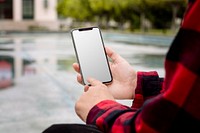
38 86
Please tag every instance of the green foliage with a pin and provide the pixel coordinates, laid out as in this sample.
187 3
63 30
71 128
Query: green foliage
159 12
78 9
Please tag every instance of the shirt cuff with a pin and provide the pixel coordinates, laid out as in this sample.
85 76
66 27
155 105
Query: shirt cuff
98 110
148 85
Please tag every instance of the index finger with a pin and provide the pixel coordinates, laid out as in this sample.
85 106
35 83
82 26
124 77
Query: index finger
76 67
94 82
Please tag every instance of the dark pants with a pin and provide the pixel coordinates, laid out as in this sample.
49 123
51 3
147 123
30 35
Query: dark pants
72 128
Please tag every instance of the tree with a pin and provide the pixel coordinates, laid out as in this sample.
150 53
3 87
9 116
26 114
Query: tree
77 9
101 9
162 13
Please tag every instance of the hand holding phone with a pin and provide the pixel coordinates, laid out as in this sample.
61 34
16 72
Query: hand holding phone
91 55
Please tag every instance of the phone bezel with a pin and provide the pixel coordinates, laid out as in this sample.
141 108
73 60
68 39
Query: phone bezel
77 57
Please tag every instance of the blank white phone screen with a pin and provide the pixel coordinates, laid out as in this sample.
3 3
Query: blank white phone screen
91 54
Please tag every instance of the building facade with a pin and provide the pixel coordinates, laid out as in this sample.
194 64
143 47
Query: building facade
27 14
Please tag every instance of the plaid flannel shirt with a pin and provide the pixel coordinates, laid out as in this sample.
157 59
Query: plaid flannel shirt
169 106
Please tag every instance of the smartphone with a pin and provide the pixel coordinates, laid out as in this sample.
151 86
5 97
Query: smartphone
91 55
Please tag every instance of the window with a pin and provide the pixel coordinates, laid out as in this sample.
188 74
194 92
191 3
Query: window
6 10
28 9
46 4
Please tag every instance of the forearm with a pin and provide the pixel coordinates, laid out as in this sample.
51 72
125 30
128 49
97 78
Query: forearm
110 116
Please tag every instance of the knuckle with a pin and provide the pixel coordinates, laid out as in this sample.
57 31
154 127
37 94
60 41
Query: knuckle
102 85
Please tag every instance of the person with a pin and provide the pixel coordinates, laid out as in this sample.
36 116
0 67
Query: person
160 105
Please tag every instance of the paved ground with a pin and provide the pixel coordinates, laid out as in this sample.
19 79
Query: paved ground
38 102
42 100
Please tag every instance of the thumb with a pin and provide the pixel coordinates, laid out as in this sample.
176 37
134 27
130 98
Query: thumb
113 55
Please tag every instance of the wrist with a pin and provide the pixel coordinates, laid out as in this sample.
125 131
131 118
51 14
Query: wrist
99 109
148 84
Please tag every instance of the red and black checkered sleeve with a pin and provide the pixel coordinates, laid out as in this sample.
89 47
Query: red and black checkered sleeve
177 108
